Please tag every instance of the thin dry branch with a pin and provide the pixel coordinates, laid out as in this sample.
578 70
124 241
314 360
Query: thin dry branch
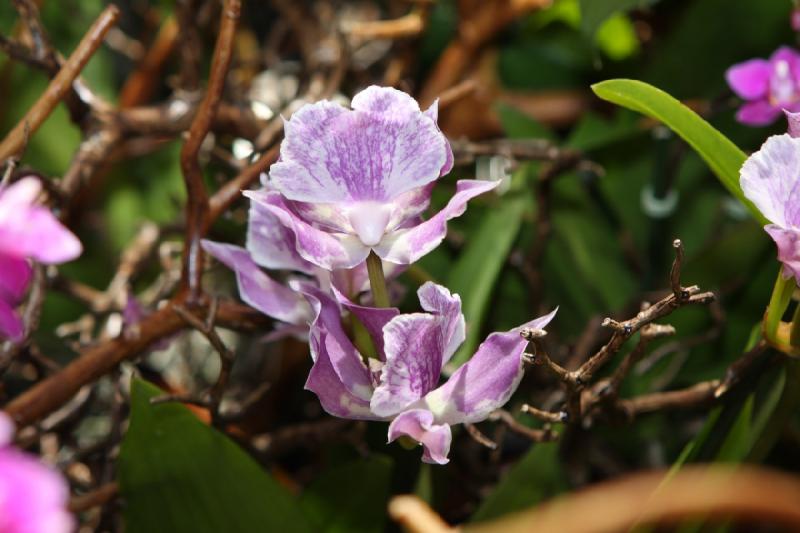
60 85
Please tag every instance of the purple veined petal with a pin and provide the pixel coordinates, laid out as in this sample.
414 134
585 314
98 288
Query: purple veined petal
326 250
323 380
757 113
330 342
408 245
750 79
15 275
792 122
433 113
35 497
7 429
271 244
257 289
408 206
770 178
373 318
416 345
419 425
11 325
486 381
788 242
437 299
382 148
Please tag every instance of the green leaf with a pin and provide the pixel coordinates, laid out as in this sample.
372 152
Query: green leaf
724 157
350 497
477 269
178 475
535 477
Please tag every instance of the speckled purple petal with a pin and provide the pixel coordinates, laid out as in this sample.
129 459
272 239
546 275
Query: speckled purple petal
486 381
758 113
770 178
419 425
373 318
750 79
331 344
382 148
272 244
408 245
15 275
28 230
34 497
416 347
433 113
257 289
788 241
326 250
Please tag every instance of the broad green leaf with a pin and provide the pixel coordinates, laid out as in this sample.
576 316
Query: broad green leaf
350 497
480 263
178 475
724 157
537 476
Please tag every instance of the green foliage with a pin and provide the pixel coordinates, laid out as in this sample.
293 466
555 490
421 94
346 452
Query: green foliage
535 477
177 474
724 157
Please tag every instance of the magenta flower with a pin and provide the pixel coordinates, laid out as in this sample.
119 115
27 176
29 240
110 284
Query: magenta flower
33 498
402 385
770 178
353 180
27 231
767 86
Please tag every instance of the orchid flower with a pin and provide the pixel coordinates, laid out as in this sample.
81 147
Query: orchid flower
767 86
33 498
271 246
27 231
770 178
352 181
402 384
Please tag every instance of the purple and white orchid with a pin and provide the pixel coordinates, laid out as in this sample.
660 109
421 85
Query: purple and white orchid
402 384
33 498
767 86
770 178
351 181
27 231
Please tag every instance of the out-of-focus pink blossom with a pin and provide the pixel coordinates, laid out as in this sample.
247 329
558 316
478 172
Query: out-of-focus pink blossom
767 86
33 497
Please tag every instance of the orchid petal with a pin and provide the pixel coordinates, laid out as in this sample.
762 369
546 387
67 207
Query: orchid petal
373 318
770 178
382 148
757 113
788 241
486 381
257 289
327 250
419 425
433 113
408 245
15 275
416 346
272 244
750 79
793 121
11 325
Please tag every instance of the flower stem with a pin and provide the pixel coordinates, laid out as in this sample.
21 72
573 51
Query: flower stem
377 281
778 302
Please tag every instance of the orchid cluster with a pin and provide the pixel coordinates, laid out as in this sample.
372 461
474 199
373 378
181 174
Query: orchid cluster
767 86
341 211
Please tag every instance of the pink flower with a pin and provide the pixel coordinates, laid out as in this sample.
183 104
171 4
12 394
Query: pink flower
33 498
767 86
27 231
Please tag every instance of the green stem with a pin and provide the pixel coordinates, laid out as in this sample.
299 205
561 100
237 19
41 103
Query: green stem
778 302
377 281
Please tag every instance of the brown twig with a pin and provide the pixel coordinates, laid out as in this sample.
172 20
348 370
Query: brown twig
95 498
60 84
197 198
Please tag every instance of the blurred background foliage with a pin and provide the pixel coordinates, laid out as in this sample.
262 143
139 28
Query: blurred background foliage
610 245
